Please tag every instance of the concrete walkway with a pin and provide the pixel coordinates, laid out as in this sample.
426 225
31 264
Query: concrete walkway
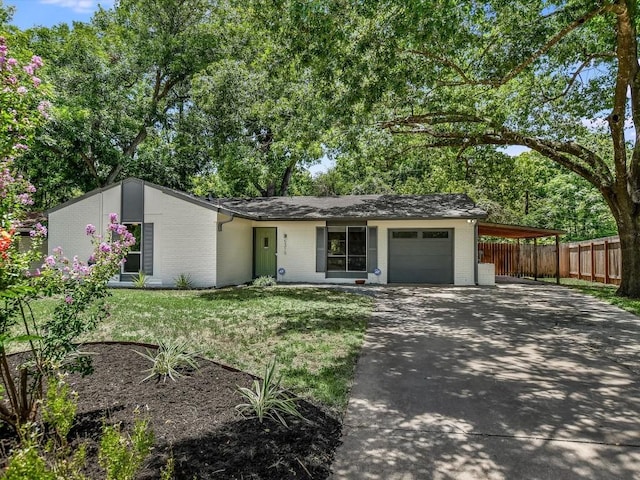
508 382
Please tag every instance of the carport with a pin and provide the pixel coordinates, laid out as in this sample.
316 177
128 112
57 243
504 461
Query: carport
518 232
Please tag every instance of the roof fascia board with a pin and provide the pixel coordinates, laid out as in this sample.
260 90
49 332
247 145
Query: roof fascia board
202 203
347 219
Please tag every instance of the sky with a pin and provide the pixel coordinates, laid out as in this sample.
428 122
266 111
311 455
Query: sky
31 13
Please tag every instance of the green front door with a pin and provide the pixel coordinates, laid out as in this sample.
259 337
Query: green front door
264 252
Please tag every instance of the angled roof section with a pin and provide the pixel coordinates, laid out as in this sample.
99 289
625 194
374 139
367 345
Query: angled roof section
374 207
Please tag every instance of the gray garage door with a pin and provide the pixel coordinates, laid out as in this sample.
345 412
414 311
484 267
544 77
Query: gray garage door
420 256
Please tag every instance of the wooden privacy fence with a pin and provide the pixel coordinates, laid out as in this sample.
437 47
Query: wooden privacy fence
594 260
518 260
598 260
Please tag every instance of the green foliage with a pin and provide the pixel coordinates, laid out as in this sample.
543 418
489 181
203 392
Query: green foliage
49 457
122 455
59 408
27 462
169 360
268 398
168 472
122 90
41 458
184 282
265 281
140 280
80 288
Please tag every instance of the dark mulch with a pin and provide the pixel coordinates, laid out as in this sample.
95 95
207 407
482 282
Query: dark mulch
194 420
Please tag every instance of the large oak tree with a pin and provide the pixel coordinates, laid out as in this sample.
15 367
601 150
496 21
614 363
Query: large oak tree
560 77
120 85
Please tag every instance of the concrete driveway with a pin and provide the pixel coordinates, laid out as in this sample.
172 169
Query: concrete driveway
512 382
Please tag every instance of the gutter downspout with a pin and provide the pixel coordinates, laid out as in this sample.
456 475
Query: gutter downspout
232 216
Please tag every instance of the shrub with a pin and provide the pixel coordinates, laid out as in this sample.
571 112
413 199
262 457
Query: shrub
264 281
59 408
79 287
184 282
122 455
168 360
268 399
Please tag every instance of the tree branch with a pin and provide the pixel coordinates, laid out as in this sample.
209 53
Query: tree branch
576 74
571 155
497 82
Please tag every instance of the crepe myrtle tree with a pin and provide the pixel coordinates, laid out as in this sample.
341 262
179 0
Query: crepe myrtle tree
559 77
78 287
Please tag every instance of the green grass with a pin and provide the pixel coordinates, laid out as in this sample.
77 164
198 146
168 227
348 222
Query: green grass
601 291
315 333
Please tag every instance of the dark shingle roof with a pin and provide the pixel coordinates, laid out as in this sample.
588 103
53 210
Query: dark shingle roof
373 207
355 206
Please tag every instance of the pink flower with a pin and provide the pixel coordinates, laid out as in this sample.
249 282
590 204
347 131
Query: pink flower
105 247
68 300
25 199
36 81
50 261
113 217
29 69
39 230
21 90
90 229
36 61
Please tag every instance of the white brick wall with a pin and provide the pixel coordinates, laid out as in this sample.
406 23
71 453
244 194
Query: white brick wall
235 251
184 239
67 225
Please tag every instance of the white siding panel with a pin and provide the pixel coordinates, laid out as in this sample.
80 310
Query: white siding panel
235 251
67 225
464 245
184 239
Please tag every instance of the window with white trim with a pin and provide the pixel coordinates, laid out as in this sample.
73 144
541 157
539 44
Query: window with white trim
346 249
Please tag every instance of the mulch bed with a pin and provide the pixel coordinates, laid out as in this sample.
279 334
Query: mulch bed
194 420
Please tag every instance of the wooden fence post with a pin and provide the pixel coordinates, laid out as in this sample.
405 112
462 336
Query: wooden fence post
593 262
557 260
535 258
579 260
606 261
518 264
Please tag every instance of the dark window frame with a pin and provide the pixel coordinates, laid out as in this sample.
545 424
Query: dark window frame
343 245
133 252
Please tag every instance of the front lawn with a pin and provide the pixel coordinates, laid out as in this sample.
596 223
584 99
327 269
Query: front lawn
315 333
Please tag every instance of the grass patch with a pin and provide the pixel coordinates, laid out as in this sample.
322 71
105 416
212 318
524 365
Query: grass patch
315 333
602 292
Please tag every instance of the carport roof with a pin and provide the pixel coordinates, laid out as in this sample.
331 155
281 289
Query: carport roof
515 231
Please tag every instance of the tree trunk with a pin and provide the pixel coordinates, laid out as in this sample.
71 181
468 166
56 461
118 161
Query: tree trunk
629 231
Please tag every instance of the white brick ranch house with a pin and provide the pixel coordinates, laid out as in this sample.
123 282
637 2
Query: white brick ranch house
219 242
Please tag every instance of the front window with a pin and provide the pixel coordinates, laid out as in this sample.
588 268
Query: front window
133 262
347 249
